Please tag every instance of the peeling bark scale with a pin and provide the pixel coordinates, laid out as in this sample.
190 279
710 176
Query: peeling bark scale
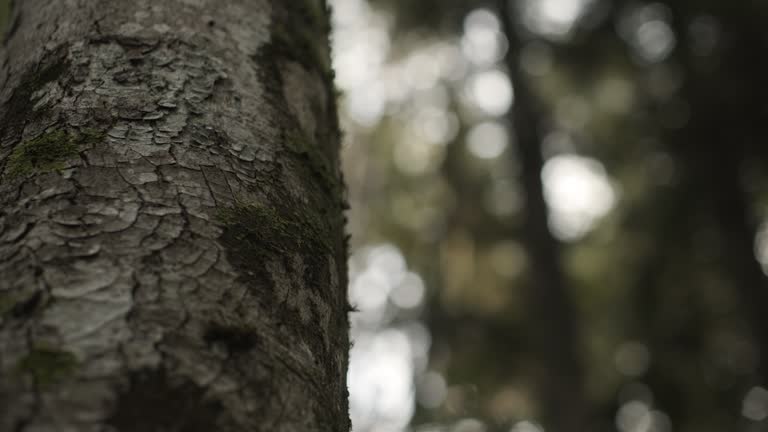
172 248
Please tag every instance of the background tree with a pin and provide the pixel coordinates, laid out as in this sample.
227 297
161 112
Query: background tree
649 120
171 230
556 332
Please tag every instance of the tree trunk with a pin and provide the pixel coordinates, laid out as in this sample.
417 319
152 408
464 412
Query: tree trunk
725 130
553 322
172 251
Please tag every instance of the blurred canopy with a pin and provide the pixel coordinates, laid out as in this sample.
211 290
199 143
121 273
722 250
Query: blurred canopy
580 186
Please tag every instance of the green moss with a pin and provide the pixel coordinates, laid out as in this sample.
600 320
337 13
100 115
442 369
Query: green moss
49 151
264 228
256 235
48 366
7 303
255 239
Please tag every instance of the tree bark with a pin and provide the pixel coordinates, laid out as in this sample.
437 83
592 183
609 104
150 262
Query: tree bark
172 248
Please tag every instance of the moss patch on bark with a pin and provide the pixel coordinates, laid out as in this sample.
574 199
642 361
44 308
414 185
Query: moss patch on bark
48 366
253 229
256 236
48 152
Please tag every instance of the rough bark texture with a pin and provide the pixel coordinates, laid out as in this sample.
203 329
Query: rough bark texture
172 255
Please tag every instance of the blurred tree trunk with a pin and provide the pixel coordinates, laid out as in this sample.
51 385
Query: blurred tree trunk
726 127
172 255
552 321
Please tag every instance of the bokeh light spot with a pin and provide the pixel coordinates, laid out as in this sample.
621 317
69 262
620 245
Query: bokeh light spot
578 193
487 140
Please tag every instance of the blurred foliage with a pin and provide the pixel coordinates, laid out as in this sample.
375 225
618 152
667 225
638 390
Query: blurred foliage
430 15
665 99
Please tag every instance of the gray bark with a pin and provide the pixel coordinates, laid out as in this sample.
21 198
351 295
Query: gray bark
172 251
